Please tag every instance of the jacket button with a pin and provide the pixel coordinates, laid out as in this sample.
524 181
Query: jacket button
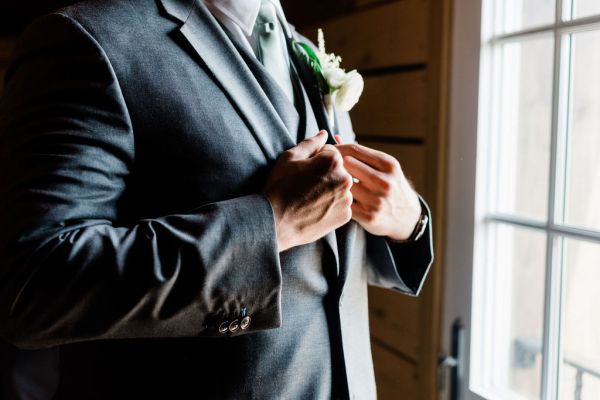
245 323
223 328
234 325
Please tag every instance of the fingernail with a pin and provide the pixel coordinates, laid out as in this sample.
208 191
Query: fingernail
338 139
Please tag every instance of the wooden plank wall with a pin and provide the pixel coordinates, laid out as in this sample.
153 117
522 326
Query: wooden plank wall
6 45
399 47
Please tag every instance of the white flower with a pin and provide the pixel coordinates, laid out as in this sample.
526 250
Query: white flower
350 91
345 86
335 77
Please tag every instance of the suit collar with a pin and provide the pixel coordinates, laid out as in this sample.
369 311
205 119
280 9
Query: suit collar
178 9
218 54
286 110
243 13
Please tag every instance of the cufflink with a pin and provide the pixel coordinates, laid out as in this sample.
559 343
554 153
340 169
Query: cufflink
224 327
245 323
234 326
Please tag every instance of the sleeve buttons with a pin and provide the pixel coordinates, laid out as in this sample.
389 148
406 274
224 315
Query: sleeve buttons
245 323
234 326
224 327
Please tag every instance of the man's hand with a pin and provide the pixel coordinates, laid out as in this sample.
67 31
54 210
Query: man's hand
385 204
309 190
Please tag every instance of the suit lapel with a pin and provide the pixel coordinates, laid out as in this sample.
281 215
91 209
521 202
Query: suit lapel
216 51
286 111
312 91
311 126
346 236
312 104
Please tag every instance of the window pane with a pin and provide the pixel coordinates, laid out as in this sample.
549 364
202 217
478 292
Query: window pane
526 14
524 120
581 320
585 8
518 282
583 172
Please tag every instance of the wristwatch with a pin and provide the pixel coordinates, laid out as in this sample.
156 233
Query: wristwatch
419 230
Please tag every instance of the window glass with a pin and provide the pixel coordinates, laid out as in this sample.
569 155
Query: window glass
519 268
585 8
580 372
527 14
524 120
583 172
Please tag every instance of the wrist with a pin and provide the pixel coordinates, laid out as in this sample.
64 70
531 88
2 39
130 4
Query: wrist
413 228
282 235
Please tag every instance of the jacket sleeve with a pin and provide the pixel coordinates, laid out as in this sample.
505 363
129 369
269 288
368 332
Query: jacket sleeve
69 271
401 266
393 265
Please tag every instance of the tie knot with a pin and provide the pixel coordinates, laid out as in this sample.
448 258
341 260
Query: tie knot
267 13
271 49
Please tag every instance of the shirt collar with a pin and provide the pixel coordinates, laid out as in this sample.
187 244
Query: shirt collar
242 12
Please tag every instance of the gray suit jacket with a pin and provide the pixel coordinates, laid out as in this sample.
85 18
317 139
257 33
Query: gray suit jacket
135 137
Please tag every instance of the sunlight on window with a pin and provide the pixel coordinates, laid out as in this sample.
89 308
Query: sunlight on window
522 254
536 328
583 176
581 324
527 14
525 110
585 8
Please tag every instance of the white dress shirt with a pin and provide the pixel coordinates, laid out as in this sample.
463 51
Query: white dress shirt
239 18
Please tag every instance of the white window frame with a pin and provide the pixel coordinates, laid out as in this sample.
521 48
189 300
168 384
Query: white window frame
468 217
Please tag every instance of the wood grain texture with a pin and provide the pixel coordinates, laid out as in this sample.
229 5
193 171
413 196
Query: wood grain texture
394 319
6 46
391 34
309 12
396 379
363 3
440 29
393 105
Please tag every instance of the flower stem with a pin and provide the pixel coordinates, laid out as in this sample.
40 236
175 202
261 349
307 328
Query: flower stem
329 100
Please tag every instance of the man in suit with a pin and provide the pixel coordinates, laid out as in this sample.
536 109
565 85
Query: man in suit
172 224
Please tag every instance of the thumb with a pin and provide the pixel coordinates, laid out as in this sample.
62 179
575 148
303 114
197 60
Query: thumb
309 147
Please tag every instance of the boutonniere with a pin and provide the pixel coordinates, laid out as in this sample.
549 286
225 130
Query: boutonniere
340 89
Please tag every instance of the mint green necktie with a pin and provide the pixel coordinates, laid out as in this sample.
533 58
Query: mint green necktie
271 48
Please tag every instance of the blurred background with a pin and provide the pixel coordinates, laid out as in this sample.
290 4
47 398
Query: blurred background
493 109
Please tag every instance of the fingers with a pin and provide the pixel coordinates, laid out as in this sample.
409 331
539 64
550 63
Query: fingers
361 215
308 147
364 196
331 151
369 177
330 161
376 159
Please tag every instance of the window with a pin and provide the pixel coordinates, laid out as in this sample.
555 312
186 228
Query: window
536 279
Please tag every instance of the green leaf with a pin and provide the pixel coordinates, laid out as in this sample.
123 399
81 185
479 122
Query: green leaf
313 56
312 60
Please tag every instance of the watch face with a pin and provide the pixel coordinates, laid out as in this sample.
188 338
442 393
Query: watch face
422 226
